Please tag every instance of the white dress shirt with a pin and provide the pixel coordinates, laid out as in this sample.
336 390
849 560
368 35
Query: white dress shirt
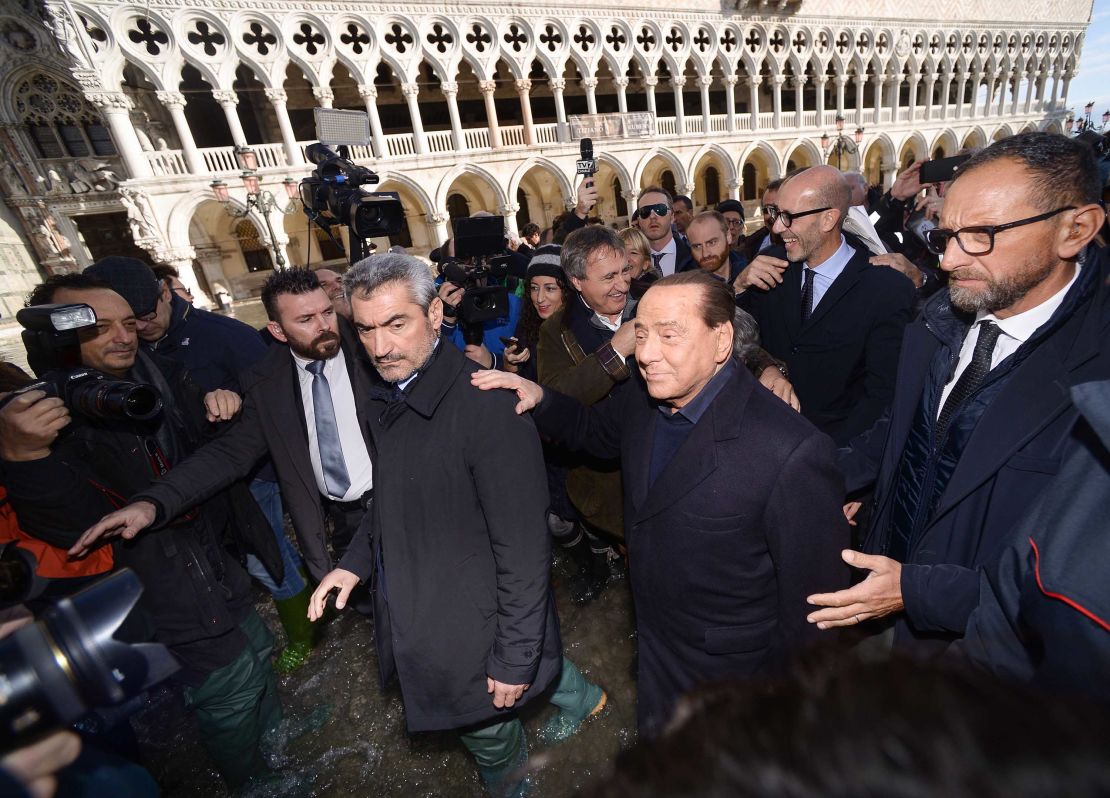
670 255
828 271
355 455
1016 330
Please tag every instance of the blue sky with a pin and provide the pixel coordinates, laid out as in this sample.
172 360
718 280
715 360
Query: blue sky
1093 80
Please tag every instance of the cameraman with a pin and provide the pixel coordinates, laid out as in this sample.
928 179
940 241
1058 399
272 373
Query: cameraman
62 478
488 353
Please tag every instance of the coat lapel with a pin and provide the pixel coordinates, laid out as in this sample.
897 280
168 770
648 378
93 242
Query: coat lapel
790 297
696 459
840 286
286 383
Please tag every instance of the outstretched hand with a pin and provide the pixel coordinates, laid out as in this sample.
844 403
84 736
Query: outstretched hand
344 580
878 595
529 393
125 523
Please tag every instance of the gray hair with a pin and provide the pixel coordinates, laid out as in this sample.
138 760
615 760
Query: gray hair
368 275
582 244
745 335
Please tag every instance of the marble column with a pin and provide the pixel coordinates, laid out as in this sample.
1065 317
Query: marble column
411 92
650 82
278 98
734 189
523 87
841 82
1068 76
182 260
704 82
558 85
730 102
776 98
799 99
324 95
590 85
858 117
509 211
677 83
622 93
819 95
878 81
753 99
174 102
116 107
438 223
930 86
451 92
369 95
228 101
488 87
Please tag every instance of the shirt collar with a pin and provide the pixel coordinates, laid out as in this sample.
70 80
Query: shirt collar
302 362
696 407
1022 326
407 382
670 249
835 265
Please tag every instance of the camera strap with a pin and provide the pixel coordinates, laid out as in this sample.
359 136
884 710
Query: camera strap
160 466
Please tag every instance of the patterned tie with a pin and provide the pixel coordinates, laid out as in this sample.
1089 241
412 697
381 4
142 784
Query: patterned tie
336 478
807 295
657 262
971 379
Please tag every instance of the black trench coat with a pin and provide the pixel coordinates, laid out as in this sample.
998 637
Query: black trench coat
458 547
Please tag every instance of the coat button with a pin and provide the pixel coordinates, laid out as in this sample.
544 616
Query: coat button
793 350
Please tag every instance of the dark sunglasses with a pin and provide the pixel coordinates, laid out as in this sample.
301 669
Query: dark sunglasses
979 240
660 209
775 213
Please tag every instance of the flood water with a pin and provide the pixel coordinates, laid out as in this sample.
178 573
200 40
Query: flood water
349 737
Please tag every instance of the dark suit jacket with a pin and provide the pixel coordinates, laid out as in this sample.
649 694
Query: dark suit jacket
842 361
272 421
742 524
1013 454
683 258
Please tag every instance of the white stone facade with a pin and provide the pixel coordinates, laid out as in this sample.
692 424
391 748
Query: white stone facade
469 105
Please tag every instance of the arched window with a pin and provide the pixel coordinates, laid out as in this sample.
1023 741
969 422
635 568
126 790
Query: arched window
619 200
255 253
59 121
667 181
750 187
458 207
523 216
712 186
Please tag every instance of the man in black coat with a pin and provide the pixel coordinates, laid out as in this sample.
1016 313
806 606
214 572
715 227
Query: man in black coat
732 500
456 540
836 320
277 397
983 410
196 598
654 215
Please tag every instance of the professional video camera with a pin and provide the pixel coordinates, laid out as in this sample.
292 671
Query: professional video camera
52 337
482 266
53 672
336 193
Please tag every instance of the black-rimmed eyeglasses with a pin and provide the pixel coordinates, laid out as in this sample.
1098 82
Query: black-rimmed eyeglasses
979 239
775 213
660 209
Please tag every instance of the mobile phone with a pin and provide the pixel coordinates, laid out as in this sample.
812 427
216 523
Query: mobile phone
508 342
941 170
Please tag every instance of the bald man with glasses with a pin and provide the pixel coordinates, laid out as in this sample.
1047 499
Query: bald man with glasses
823 309
983 410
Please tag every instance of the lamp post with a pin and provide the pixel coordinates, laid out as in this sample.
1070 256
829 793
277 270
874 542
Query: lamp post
1087 115
841 144
1105 119
257 197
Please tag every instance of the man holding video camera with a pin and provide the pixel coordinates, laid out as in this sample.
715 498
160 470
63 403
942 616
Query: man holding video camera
64 467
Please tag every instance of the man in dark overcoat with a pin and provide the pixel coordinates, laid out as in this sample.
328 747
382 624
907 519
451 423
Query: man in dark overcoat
456 540
732 508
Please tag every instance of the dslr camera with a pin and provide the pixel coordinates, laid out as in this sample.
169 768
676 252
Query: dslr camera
481 266
52 337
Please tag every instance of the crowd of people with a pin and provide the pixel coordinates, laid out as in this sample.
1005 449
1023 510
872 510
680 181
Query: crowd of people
872 437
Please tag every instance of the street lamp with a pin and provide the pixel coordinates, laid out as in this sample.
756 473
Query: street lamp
257 197
1087 114
1069 124
1105 119
841 144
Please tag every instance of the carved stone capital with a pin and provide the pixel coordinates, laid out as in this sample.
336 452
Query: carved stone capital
621 82
558 84
678 81
731 80
110 100
367 91
487 86
589 83
651 80
754 81
705 81
410 90
508 209
225 97
178 257
523 86
276 95
323 93
732 185
778 80
449 89
437 218
171 99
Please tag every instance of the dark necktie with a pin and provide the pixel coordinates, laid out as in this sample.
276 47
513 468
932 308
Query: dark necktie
336 478
807 294
657 262
972 377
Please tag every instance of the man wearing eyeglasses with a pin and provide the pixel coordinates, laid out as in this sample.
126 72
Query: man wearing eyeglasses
983 410
654 216
835 319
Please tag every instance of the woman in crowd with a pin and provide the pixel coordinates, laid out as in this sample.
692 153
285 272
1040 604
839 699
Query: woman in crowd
547 290
637 249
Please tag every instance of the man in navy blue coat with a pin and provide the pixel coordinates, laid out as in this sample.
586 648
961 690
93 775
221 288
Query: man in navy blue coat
982 407
731 511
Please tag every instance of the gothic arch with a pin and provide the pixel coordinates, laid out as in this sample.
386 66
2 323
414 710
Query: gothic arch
811 150
472 170
565 187
723 158
665 154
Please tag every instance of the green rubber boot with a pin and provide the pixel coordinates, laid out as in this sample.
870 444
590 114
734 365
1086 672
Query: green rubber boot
301 632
